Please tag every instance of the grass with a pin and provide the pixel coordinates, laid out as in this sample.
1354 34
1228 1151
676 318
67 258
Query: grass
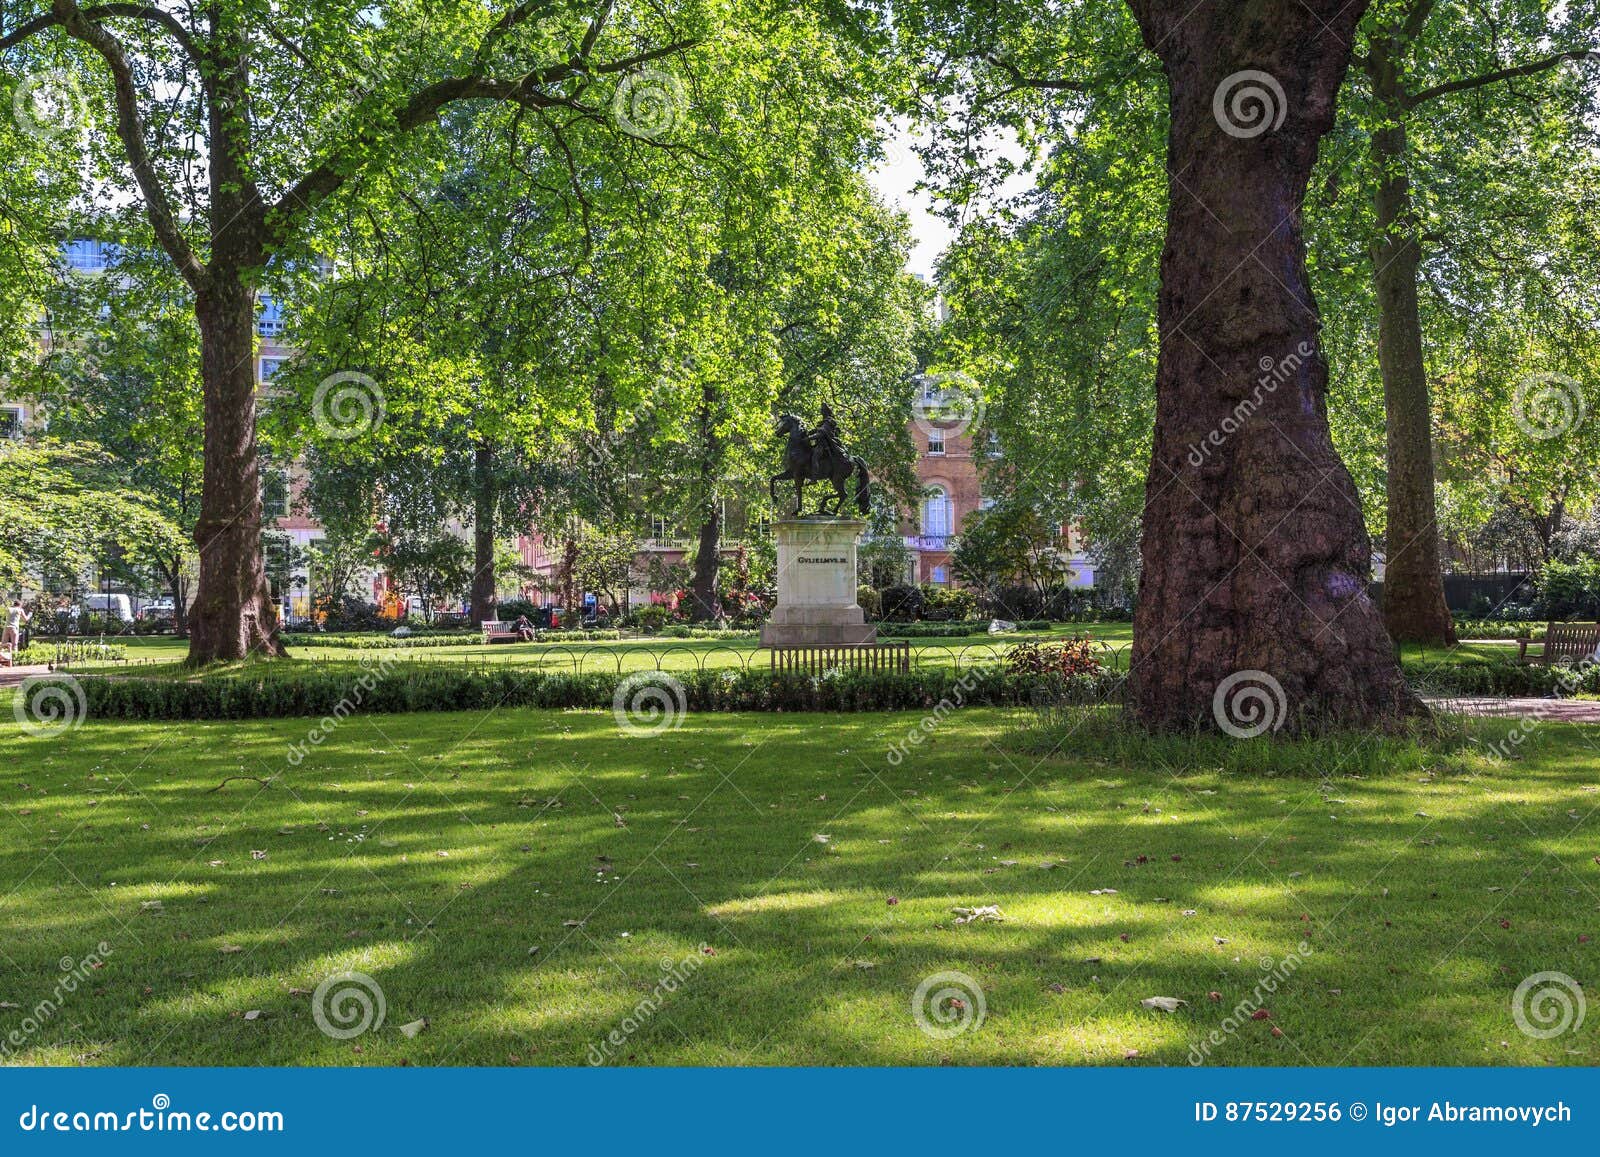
446 855
162 655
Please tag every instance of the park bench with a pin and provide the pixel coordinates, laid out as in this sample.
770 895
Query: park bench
868 657
1563 643
498 631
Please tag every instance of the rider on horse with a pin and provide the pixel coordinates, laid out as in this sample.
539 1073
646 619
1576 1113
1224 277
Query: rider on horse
826 448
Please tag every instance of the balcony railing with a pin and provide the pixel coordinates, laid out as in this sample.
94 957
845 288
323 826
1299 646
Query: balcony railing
931 541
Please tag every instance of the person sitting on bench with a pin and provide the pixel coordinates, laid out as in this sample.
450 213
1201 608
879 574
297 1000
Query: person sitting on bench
525 629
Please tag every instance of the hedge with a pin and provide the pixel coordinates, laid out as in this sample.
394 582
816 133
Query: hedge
1498 678
321 693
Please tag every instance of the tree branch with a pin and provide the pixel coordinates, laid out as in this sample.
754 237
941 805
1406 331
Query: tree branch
149 12
130 128
426 104
1531 68
1018 80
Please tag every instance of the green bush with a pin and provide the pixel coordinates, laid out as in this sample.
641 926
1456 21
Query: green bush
870 601
308 692
1570 590
1498 678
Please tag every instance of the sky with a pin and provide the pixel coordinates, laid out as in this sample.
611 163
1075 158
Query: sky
896 181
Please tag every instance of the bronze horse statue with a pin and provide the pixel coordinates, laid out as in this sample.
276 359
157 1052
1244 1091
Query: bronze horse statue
809 458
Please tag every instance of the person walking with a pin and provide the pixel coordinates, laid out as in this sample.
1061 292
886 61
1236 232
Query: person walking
11 638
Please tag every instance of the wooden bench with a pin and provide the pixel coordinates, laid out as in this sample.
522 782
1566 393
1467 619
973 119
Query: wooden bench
871 658
497 631
1563 643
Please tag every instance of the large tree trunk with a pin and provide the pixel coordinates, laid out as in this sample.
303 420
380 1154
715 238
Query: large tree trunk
483 584
1413 581
708 553
233 615
1255 556
707 566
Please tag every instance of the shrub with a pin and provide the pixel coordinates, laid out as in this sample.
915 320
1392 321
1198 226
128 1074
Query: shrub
902 603
870 601
1570 590
1069 659
650 619
944 604
313 692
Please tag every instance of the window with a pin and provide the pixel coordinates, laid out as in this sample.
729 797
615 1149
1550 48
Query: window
269 323
940 576
84 256
10 421
269 367
936 441
275 493
936 514
986 504
661 528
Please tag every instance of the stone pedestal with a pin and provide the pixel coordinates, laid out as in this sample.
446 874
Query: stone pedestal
817 585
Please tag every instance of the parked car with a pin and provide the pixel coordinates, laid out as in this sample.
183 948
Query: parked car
159 609
117 607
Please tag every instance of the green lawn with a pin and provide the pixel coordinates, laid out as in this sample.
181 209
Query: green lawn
153 655
448 857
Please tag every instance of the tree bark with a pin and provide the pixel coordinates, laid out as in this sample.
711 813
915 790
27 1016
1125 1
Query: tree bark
233 615
1414 608
1255 556
484 502
707 565
708 553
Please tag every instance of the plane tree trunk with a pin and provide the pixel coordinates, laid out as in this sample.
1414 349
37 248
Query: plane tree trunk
484 504
1414 608
1255 556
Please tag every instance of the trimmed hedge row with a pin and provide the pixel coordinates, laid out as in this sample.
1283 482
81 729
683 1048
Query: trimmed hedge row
323 693
1499 678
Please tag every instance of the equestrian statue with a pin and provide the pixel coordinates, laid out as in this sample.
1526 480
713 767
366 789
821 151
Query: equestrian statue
819 456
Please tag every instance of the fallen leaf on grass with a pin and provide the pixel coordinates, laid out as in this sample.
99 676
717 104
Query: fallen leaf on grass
253 1014
572 923
987 913
1163 1003
258 854
412 1029
228 949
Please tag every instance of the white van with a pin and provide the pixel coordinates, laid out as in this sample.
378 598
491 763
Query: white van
113 606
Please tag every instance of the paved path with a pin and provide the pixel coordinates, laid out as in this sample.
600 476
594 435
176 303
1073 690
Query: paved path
1554 710
13 676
